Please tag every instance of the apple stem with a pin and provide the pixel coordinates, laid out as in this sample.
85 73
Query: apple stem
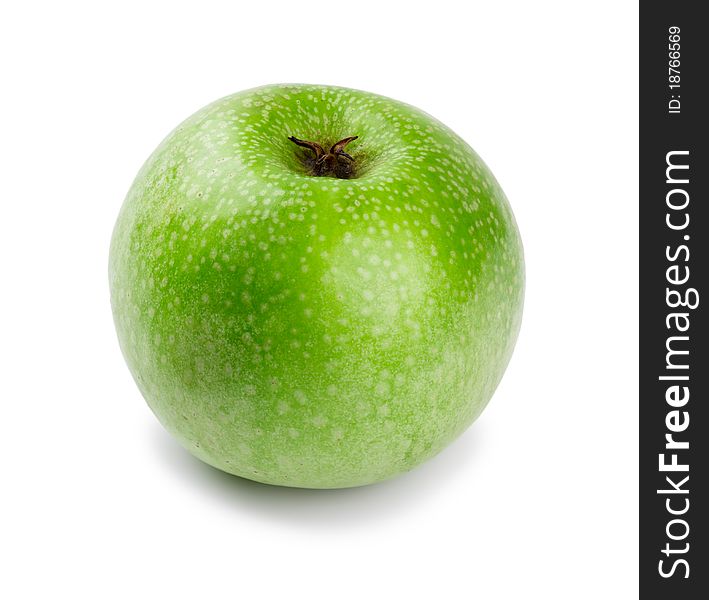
328 164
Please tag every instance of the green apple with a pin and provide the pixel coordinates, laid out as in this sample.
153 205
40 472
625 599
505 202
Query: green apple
315 286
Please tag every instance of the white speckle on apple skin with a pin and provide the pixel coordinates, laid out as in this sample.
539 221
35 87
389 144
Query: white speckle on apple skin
320 332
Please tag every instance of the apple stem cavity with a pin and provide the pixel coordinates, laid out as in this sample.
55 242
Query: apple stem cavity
334 163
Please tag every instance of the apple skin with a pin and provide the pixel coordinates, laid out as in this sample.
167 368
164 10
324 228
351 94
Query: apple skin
312 331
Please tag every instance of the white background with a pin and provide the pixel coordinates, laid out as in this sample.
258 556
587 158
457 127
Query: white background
537 500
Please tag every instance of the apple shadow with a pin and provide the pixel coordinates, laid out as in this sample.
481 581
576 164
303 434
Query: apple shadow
325 508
